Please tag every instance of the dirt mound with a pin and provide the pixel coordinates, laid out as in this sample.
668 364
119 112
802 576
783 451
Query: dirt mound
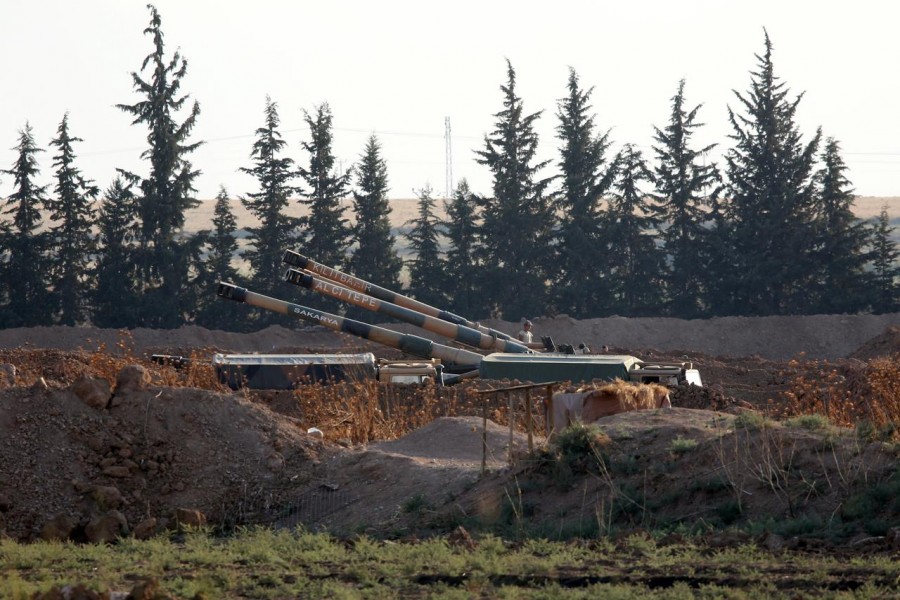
183 341
886 344
458 440
662 467
159 449
393 486
774 338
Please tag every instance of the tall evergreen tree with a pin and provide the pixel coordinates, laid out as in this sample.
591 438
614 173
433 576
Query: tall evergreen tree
25 273
518 221
167 192
72 243
638 272
375 256
275 233
841 248
116 297
426 269
581 284
721 280
459 281
770 188
221 248
222 243
683 185
327 230
884 266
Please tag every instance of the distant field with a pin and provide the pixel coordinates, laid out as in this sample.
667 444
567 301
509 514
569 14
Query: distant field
201 217
404 209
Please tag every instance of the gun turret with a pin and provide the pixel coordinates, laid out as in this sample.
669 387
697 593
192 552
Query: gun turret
360 285
461 333
411 344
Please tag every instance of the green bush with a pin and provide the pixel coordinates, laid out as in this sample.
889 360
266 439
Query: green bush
681 445
751 421
580 440
813 422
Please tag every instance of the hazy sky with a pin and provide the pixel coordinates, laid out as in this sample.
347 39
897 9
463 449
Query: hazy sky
399 68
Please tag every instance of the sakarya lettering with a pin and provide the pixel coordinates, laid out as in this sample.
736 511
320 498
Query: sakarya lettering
315 316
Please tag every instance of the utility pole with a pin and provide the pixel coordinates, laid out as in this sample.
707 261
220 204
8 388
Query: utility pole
448 158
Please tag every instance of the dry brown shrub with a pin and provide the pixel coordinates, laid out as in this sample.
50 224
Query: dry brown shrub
372 411
846 394
198 372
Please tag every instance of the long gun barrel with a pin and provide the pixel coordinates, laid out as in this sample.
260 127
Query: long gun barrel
460 333
411 344
354 283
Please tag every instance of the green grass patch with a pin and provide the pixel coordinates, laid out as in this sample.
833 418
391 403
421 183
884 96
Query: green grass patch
814 422
751 421
681 445
261 563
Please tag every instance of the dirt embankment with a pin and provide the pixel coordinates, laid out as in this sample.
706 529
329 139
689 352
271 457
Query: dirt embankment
774 338
140 455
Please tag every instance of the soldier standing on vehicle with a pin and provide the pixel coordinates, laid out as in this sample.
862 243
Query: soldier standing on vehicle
525 336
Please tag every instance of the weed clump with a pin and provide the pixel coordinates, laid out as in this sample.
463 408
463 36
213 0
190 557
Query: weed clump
681 445
751 421
581 440
813 422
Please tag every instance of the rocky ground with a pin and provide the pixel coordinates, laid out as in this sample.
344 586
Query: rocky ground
93 448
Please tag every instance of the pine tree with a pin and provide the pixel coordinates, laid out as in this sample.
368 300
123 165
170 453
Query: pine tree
375 257
638 272
327 230
25 273
165 261
721 280
683 186
517 222
884 266
116 297
275 233
72 243
223 245
581 280
770 189
459 282
841 250
221 248
426 269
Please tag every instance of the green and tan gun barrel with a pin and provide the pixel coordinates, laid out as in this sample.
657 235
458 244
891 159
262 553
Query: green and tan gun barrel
360 285
411 344
460 333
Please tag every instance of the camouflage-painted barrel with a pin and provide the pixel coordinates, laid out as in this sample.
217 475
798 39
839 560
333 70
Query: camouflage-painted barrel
355 283
411 344
460 333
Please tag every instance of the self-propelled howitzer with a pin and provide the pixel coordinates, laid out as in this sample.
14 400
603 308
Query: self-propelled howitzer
355 283
453 358
460 333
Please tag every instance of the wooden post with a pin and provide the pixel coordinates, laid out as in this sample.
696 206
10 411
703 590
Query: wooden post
549 414
484 404
512 423
529 417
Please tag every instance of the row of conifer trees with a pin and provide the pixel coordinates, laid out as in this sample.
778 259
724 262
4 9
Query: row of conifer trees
593 233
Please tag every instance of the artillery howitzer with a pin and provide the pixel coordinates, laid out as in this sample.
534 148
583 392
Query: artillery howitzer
509 359
288 371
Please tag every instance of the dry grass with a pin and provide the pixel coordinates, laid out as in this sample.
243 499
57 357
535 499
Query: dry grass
370 411
848 395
